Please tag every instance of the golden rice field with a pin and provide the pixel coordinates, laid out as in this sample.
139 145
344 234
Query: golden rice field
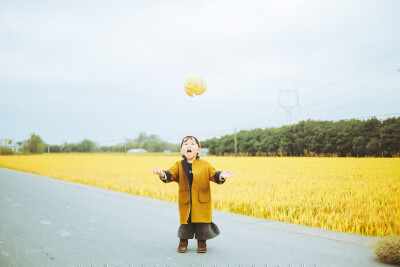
353 195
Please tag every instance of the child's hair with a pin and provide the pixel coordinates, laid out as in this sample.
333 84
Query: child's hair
190 137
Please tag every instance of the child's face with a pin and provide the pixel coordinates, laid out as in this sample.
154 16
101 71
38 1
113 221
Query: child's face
190 149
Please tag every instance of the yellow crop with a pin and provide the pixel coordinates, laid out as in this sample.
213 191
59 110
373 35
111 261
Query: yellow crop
353 195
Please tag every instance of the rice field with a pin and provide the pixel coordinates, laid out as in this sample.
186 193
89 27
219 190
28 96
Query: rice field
352 195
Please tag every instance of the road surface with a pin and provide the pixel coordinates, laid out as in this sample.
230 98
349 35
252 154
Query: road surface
49 222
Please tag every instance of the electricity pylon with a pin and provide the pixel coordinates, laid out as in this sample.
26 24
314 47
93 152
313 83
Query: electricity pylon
291 103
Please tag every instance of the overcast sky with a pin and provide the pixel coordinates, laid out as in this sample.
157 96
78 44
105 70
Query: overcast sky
108 70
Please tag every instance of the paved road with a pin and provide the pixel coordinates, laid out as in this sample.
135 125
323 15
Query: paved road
48 222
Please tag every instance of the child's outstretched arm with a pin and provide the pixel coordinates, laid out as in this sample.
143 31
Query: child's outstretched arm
159 172
226 174
171 175
218 176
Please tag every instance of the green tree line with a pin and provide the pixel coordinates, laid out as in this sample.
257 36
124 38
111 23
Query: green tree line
152 143
357 138
35 145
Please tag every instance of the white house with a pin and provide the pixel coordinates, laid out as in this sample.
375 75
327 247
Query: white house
204 152
10 143
137 150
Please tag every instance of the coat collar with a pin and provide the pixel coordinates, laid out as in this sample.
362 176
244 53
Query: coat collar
185 167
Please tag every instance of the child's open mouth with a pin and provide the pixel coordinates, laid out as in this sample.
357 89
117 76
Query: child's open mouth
189 152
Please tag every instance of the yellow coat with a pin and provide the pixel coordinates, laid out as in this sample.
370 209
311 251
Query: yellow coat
199 195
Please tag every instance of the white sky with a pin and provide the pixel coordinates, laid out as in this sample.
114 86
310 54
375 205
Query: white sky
108 70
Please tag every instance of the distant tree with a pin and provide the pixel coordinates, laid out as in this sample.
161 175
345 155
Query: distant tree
255 142
6 151
330 137
346 131
112 149
83 146
303 134
86 146
373 148
65 148
154 145
318 137
55 149
244 140
390 136
143 137
226 145
273 140
359 145
34 144
211 144
371 129
286 143
343 138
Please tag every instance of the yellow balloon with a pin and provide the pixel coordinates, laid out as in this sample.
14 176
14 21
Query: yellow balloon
195 85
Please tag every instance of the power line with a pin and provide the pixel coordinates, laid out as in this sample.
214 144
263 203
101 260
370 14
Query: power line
361 101
345 77
351 90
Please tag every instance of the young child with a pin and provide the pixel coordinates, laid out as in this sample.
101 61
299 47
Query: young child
193 176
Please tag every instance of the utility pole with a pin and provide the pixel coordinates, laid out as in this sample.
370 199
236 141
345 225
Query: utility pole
290 103
235 143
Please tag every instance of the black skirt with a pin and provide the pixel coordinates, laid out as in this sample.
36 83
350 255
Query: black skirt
201 231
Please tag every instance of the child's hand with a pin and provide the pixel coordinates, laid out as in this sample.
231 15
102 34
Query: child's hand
159 172
226 174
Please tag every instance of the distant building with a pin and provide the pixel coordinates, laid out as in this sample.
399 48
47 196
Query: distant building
137 150
204 152
10 143
167 152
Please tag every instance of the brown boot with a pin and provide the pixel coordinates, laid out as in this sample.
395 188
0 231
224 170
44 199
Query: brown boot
201 246
182 248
